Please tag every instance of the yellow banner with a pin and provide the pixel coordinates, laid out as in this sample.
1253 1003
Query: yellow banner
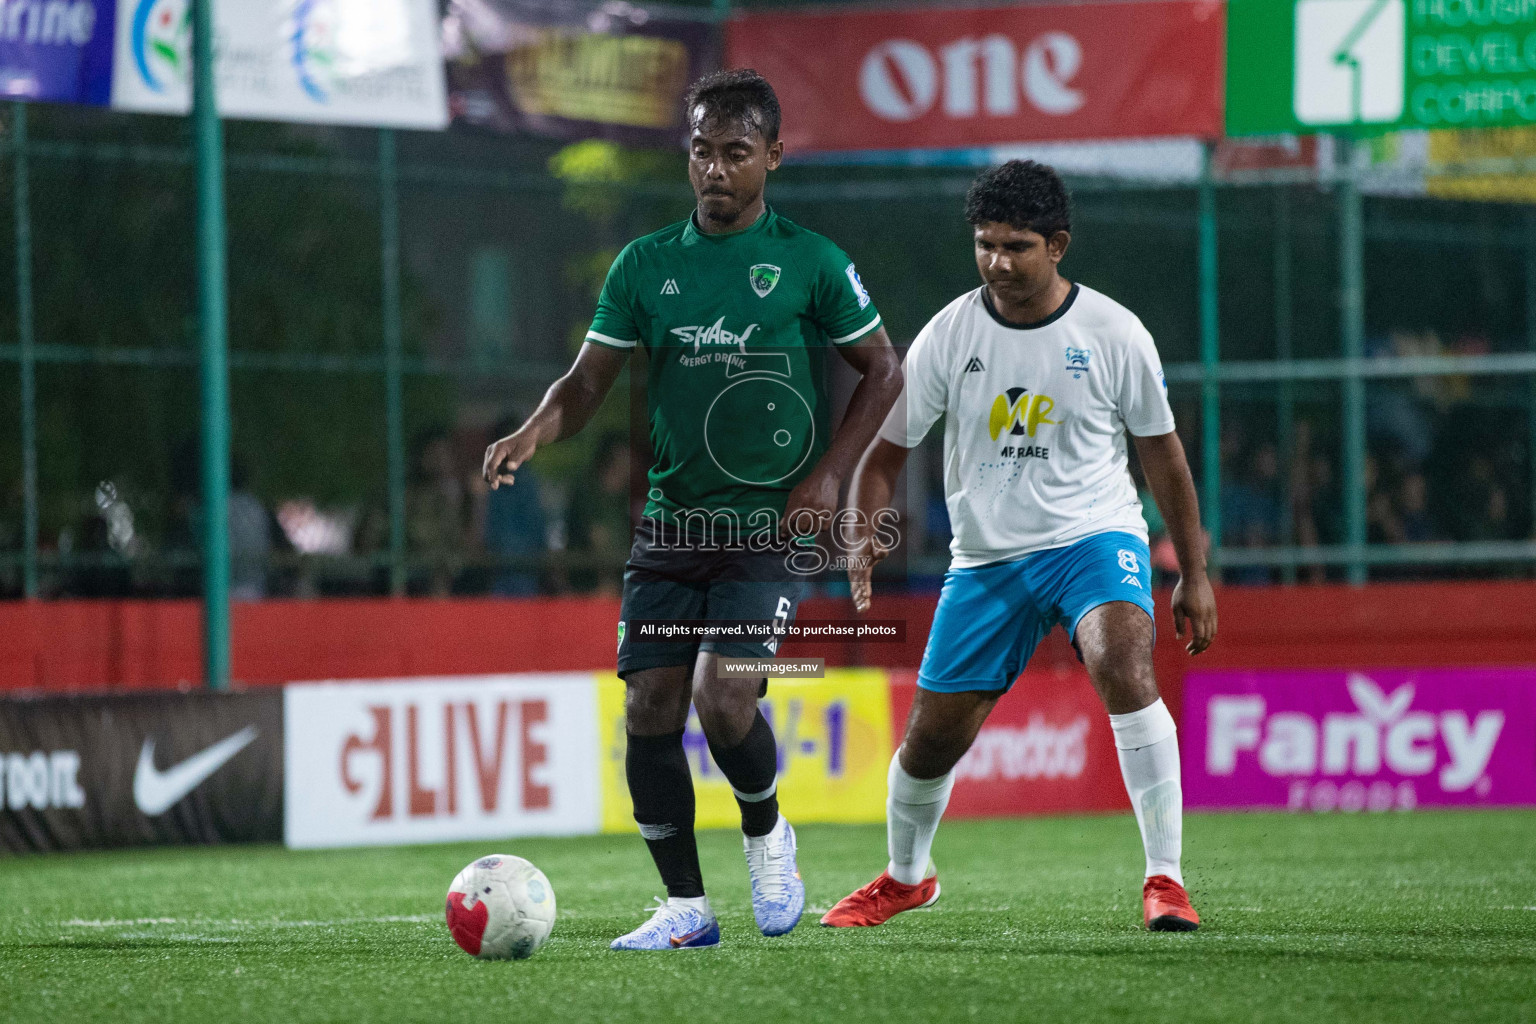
1458 153
834 738
629 80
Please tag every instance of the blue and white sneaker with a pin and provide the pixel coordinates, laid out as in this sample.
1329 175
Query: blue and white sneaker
674 925
778 894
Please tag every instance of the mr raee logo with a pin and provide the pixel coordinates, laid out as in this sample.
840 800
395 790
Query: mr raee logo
1018 413
161 37
1350 61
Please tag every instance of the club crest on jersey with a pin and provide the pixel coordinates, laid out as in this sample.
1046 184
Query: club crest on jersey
764 276
1019 413
714 334
1077 361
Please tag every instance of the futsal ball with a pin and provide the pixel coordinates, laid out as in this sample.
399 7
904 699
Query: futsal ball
500 908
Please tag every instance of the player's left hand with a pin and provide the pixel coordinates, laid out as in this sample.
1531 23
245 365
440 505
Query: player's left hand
810 506
1194 608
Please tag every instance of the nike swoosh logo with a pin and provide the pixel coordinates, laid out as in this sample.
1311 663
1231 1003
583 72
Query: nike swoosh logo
683 940
154 791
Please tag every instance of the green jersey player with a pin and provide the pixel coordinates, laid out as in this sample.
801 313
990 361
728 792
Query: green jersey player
737 309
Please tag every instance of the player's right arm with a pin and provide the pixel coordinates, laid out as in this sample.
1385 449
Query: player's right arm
874 484
567 406
572 400
924 396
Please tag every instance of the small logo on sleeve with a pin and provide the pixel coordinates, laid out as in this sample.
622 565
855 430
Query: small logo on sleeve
974 366
858 286
670 288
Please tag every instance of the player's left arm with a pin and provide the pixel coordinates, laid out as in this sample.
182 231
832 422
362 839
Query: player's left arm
1142 397
814 499
1173 487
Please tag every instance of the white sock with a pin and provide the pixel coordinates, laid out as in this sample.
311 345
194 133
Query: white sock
1148 745
912 813
699 903
775 834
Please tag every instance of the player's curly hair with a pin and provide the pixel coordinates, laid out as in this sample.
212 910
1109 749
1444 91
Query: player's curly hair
739 96
1021 194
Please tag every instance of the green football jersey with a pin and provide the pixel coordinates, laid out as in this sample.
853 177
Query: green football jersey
737 328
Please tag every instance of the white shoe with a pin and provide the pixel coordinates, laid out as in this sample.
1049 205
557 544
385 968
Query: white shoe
673 926
778 894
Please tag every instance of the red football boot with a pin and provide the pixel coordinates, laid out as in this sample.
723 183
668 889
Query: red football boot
881 900
1166 906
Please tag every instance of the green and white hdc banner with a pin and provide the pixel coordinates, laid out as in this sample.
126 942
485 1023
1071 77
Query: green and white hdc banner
345 62
1379 65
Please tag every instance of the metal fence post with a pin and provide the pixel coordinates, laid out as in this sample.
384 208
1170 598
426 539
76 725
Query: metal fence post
1210 354
1352 327
394 383
1285 419
213 333
25 330
1530 339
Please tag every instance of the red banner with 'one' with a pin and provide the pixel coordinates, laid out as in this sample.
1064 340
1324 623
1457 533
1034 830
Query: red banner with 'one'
948 79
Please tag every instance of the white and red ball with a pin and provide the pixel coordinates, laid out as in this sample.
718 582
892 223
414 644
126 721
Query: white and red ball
500 908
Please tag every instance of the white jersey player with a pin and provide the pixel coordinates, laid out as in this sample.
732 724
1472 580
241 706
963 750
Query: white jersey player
1039 380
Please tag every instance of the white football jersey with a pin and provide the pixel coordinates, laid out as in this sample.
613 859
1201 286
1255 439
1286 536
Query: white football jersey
1035 421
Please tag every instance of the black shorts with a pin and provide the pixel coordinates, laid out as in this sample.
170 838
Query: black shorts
695 581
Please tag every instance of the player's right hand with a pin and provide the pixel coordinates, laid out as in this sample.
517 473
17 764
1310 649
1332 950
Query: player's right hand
505 456
860 566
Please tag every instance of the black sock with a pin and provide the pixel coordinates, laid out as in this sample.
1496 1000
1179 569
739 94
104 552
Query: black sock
751 767
662 790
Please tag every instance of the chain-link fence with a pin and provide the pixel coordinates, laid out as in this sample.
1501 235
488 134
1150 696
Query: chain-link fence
1375 412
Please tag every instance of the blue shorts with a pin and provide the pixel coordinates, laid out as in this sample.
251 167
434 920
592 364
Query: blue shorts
991 618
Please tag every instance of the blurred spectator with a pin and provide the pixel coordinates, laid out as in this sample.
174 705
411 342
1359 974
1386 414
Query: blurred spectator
1316 502
436 509
1399 415
600 518
251 529
1413 507
1483 511
514 524
1382 524
1250 507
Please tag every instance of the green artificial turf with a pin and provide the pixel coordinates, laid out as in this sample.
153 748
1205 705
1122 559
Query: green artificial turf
1424 916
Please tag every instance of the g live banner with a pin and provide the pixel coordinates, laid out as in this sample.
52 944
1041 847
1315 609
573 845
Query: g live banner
140 769
365 62
948 78
1359 740
425 760
575 70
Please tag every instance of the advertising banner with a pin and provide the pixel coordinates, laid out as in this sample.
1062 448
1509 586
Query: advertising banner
1374 65
140 769
59 51
323 61
436 760
1045 749
1378 739
574 70
946 78
834 738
